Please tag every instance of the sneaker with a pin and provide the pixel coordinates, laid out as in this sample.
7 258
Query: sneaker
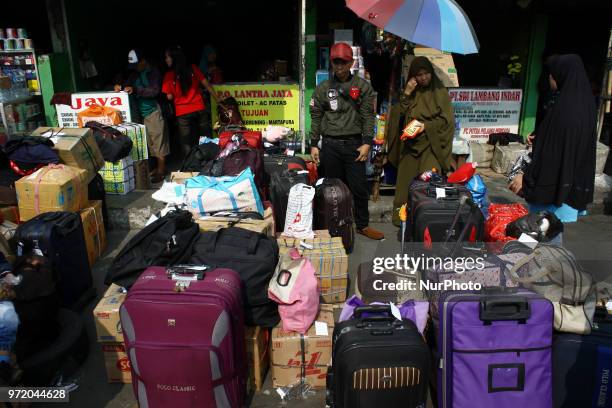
371 233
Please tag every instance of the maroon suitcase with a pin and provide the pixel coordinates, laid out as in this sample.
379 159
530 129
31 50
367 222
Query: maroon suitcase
184 336
334 211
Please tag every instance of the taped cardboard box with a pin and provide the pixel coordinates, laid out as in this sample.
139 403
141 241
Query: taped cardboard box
181 176
118 369
330 262
505 156
76 147
286 353
93 229
215 223
52 188
120 171
141 175
138 134
120 187
106 315
10 214
258 355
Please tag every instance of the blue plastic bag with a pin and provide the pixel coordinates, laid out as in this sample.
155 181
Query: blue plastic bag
479 194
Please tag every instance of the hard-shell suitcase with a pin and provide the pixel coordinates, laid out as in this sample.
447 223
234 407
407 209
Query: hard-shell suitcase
581 368
280 185
494 350
378 361
430 216
59 237
184 336
334 211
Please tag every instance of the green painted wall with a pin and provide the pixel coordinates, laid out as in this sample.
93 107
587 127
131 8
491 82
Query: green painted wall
310 59
537 43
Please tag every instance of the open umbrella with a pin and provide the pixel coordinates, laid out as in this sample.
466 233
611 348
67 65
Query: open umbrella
439 24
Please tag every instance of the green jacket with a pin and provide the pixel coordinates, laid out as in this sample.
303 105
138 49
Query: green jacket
335 113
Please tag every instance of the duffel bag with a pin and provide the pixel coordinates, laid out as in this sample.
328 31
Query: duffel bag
250 138
254 256
113 144
238 160
206 195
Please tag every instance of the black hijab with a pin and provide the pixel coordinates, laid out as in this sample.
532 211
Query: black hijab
563 166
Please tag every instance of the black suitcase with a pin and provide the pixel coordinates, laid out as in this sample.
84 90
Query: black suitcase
59 237
334 211
278 163
582 367
378 361
254 256
430 218
280 185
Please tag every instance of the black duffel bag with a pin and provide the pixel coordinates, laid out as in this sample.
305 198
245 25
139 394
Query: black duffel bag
113 144
200 156
254 256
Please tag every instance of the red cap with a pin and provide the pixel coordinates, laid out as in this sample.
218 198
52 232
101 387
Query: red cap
342 51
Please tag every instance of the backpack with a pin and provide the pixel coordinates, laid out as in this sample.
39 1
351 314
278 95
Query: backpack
113 144
244 157
200 156
167 241
554 273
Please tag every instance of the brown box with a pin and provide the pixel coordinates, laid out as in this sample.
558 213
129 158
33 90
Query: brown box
258 349
286 353
93 229
141 175
5 82
54 188
330 261
117 363
215 223
10 214
180 176
106 315
76 148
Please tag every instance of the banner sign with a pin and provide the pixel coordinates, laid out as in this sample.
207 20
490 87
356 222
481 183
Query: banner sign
264 104
480 112
67 115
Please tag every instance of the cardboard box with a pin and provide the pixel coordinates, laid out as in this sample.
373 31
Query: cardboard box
181 176
106 315
505 156
286 353
258 355
118 369
75 147
120 171
93 229
138 134
330 261
443 64
265 226
61 188
119 187
10 214
141 175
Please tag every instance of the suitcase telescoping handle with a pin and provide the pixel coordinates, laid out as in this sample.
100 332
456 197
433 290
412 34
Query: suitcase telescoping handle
504 309
376 312
186 272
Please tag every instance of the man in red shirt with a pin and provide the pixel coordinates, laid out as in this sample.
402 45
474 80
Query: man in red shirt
182 86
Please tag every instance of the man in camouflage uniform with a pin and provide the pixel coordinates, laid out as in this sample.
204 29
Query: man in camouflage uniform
342 112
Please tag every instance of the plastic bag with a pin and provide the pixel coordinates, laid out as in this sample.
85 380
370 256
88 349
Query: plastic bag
500 215
542 226
101 114
478 188
298 221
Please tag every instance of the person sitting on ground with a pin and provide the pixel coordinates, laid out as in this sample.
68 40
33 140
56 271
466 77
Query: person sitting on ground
561 176
145 83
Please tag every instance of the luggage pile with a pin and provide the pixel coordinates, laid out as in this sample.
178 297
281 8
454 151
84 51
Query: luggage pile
249 254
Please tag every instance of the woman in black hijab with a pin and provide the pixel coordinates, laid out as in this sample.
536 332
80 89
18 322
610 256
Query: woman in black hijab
561 176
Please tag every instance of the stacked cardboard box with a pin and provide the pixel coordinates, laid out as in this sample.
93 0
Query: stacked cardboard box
51 188
110 335
93 228
329 259
258 356
215 223
288 350
119 177
75 147
138 134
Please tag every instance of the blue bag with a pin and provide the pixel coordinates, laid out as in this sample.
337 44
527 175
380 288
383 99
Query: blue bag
479 193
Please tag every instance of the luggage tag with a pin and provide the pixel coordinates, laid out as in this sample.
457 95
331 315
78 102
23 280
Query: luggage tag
440 193
185 274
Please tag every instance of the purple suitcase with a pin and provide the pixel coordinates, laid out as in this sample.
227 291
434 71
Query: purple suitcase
184 335
495 350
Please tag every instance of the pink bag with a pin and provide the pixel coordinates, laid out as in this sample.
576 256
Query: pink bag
294 286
